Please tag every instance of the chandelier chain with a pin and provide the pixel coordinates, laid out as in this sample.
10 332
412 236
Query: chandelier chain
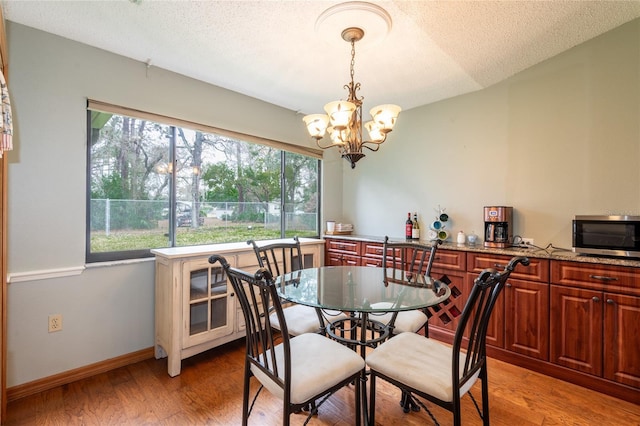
353 58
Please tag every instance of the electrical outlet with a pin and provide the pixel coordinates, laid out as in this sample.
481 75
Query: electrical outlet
55 323
527 241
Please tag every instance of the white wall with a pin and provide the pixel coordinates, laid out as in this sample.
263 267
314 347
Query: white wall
107 311
559 139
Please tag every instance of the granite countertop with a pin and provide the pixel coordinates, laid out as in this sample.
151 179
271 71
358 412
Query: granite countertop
552 253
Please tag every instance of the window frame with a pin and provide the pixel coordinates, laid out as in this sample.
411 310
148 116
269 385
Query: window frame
283 147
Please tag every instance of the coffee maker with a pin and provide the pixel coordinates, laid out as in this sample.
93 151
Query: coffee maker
498 226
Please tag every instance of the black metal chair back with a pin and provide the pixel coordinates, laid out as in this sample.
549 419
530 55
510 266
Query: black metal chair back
408 256
255 293
271 361
468 353
279 258
282 258
414 258
471 332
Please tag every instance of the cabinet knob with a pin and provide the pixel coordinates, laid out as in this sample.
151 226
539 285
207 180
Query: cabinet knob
232 294
595 298
499 266
508 285
610 301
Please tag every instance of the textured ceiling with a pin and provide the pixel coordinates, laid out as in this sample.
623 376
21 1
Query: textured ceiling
271 50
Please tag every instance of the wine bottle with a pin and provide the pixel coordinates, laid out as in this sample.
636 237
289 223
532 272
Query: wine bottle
415 230
408 227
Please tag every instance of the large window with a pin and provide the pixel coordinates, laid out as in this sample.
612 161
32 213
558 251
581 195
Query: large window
154 184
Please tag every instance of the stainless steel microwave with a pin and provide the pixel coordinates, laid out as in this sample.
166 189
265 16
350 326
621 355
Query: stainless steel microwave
607 235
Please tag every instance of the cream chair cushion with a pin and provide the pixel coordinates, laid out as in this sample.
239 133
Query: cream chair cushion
302 319
423 364
406 321
317 363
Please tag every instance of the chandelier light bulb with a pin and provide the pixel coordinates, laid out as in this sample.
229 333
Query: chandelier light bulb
337 136
340 113
374 131
316 125
385 116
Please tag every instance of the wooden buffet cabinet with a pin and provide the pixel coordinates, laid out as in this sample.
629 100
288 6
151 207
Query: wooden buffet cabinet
597 309
574 318
195 306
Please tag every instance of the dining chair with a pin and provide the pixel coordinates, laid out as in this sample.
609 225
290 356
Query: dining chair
438 372
282 258
412 258
303 370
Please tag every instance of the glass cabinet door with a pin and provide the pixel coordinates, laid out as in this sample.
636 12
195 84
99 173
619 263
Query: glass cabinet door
209 302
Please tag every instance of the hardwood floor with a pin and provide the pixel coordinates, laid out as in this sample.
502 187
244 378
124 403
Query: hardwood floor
209 391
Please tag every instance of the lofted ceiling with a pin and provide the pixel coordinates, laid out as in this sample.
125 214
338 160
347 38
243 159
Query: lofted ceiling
272 50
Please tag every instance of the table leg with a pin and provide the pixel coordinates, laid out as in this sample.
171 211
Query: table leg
364 317
408 403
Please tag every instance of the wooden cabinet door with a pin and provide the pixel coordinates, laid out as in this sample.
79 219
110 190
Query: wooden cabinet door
495 327
622 339
526 313
576 329
209 310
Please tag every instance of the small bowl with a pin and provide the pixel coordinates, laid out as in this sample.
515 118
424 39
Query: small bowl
443 235
436 225
444 217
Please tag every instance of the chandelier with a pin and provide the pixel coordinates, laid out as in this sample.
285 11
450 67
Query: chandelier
343 120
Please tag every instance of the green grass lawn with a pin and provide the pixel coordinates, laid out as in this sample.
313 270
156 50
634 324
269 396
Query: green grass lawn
158 238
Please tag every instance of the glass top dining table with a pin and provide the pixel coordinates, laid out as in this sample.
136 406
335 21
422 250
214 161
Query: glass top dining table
362 289
365 293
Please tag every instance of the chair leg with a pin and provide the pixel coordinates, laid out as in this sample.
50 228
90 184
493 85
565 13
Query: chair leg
372 402
457 418
286 413
245 396
485 396
408 403
425 327
359 388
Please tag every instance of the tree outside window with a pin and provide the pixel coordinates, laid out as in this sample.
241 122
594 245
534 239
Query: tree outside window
224 189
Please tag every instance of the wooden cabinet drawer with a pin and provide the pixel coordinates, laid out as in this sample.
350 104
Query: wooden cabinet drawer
450 259
343 246
538 269
372 249
617 279
340 259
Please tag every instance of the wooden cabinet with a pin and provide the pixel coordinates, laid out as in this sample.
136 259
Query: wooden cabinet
595 310
520 320
195 306
342 252
575 320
